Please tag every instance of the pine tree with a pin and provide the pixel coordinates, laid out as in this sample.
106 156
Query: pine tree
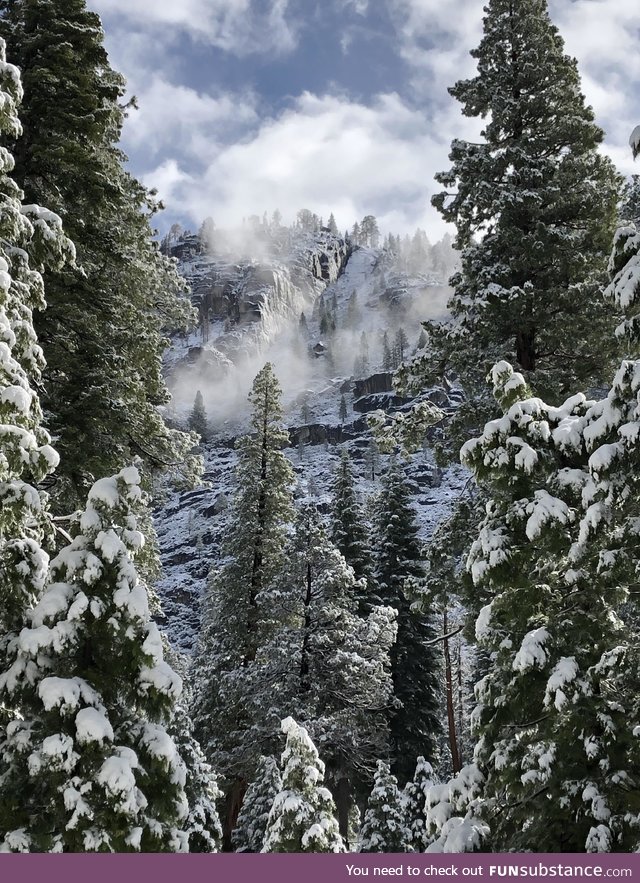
343 413
401 344
348 525
102 333
554 735
302 818
256 805
422 340
202 825
387 359
326 663
416 723
26 455
369 232
534 204
331 224
198 418
89 765
415 797
383 827
231 725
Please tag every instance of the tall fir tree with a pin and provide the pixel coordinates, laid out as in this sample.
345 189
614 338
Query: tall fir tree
328 665
251 828
103 333
202 825
415 798
302 818
384 825
349 526
198 418
30 237
415 723
534 204
88 766
237 619
556 767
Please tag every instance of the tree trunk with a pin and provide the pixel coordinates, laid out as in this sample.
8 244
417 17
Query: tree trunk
525 349
233 805
342 797
451 715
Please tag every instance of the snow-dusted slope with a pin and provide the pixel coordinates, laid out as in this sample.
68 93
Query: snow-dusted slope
257 305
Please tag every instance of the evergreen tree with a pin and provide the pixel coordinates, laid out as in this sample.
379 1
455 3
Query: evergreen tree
198 418
206 235
383 827
401 345
415 724
343 413
422 340
331 224
26 455
102 333
230 723
415 797
556 771
328 664
348 524
630 208
369 232
387 359
252 821
89 765
202 825
302 818
534 204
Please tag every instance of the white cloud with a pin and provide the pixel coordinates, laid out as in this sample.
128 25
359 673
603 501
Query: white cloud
242 27
171 115
327 154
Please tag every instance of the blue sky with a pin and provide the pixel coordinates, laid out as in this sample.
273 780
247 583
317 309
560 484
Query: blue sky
335 105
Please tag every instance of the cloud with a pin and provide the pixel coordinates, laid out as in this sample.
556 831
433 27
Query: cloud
328 154
170 114
241 27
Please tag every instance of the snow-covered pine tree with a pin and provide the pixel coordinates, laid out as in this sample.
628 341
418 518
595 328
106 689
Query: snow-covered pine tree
349 526
251 828
387 358
415 797
384 825
202 825
328 665
415 724
237 620
401 345
302 818
534 204
89 765
198 417
554 765
103 332
26 455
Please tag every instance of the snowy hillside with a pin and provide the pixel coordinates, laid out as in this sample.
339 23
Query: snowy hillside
250 313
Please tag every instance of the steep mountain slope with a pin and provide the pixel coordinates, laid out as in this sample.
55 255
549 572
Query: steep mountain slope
318 310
